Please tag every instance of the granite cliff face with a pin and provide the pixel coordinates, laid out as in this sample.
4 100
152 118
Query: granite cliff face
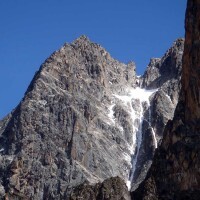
175 173
87 117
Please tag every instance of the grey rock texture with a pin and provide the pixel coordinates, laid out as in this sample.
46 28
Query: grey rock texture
84 118
167 68
165 73
175 173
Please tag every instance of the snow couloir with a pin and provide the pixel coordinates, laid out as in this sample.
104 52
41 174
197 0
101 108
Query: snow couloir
136 114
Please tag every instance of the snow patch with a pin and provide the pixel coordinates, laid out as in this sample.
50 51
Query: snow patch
127 157
142 95
168 97
111 113
43 102
154 137
128 183
10 158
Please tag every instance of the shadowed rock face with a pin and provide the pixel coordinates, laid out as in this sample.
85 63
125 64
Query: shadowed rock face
175 173
87 117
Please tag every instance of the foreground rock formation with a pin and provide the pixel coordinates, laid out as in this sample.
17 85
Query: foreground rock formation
84 118
111 189
175 173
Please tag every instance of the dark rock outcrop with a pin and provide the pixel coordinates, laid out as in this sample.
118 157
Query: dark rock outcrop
175 173
110 189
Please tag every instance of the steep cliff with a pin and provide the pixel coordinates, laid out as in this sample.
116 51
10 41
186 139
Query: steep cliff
175 173
84 118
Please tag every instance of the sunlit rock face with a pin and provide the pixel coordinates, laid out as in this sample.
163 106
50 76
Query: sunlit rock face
174 173
84 118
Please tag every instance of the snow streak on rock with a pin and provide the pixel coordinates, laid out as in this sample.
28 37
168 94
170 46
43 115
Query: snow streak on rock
154 137
111 113
137 115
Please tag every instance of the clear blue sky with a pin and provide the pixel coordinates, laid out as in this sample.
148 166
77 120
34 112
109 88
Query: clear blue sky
130 30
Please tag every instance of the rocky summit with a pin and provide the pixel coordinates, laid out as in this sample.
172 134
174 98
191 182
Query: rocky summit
85 118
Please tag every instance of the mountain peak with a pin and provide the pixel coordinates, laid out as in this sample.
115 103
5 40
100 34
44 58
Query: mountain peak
81 39
77 123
